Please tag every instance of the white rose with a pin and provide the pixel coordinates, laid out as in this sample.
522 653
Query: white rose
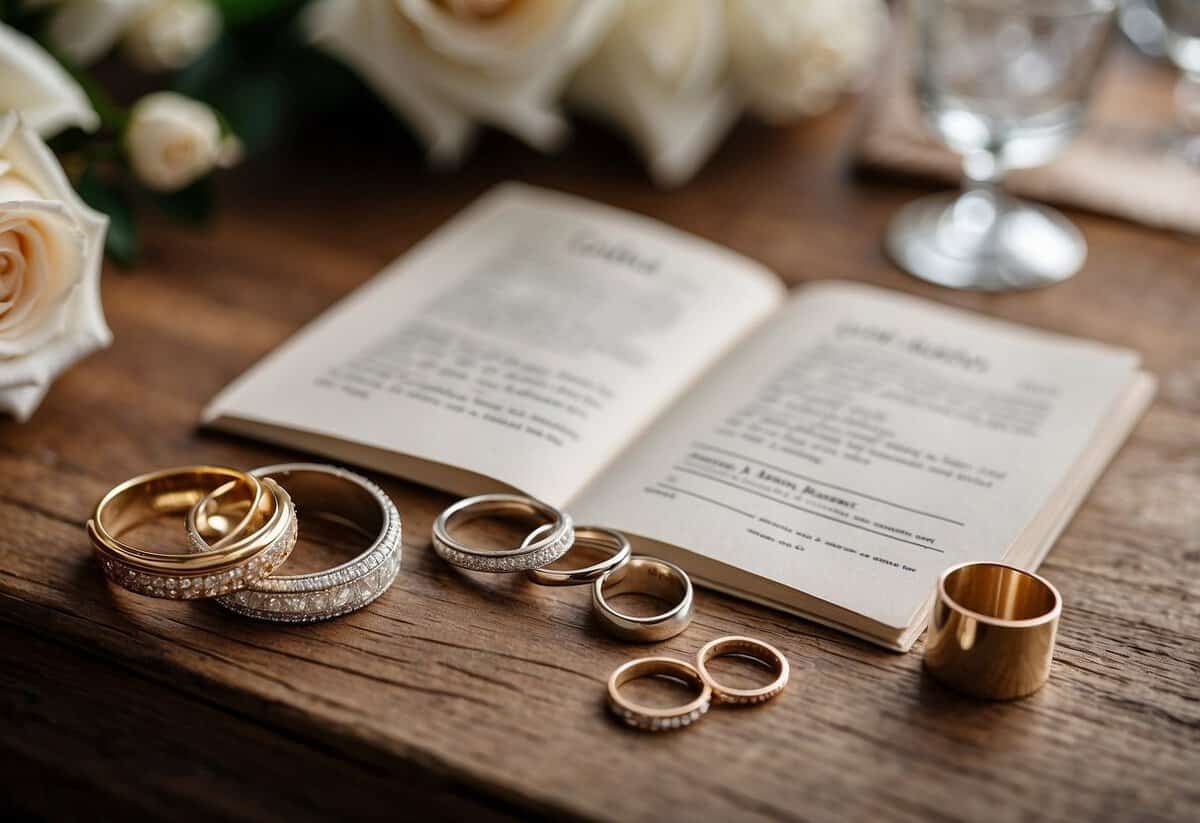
448 65
34 84
169 34
84 30
51 246
793 58
661 75
173 141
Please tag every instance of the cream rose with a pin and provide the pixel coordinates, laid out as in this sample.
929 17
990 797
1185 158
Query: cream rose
85 30
795 57
173 141
661 75
51 247
34 84
447 66
169 34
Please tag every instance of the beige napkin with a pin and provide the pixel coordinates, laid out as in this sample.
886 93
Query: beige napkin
1120 165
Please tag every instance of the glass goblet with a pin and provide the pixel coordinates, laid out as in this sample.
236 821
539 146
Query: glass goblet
1182 21
1005 83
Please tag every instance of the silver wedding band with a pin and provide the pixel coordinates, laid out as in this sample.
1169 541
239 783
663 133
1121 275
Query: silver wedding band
593 537
647 576
530 555
341 496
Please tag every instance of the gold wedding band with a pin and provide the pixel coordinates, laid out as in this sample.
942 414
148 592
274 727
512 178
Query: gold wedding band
262 537
749 647
991 633
650 718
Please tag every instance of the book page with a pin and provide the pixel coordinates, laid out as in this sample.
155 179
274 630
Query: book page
860 443
527 341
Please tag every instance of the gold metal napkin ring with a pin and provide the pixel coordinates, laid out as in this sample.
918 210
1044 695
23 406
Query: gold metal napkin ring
268 532
991 633
750 647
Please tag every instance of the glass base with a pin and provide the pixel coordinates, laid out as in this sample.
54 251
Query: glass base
984 240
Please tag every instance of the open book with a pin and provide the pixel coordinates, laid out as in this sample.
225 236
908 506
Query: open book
827 452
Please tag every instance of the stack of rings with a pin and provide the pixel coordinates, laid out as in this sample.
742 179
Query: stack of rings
259 541
707 689
241 526
618 573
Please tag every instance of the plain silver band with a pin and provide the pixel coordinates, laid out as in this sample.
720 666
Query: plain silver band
304 598
650 576
554 545
592 536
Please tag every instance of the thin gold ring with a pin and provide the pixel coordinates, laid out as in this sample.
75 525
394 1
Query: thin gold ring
750 647
649 718
591 536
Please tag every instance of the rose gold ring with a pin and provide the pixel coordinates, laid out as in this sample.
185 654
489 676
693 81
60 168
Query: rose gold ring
649 718
749 647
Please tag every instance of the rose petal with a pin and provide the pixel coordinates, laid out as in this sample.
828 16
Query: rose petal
33 83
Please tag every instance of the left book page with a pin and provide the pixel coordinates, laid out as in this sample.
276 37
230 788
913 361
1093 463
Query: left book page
523 344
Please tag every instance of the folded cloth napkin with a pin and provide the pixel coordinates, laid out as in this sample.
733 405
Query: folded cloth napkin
1120 165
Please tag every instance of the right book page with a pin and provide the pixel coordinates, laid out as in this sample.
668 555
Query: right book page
861 442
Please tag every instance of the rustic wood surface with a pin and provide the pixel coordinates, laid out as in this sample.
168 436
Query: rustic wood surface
464 698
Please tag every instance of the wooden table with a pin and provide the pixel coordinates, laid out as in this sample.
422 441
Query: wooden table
448 698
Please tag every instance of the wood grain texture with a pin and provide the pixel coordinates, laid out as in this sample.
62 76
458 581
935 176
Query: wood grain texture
452 695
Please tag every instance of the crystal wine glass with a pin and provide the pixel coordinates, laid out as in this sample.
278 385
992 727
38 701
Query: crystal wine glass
1004 83
1182 21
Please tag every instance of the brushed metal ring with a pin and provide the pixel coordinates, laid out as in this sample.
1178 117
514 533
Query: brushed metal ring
649 576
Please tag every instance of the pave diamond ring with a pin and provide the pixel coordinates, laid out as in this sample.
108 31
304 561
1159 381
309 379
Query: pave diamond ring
557 540
262 535
342 497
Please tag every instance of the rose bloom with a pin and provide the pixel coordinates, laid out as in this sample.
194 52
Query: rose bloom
447 66
173 141
794 59
661 76
51 248
33 83
169 34
84 30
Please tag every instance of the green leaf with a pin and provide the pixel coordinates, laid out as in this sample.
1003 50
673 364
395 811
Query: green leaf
256 108
247 12
192 205
122 242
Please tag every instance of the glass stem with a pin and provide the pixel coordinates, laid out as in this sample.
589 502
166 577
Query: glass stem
1187 102
984 173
